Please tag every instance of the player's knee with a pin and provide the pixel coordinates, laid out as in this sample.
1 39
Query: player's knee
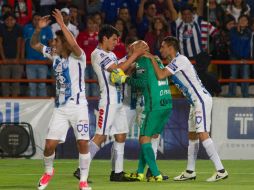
193 136
99 139
120 138
203 136
155 136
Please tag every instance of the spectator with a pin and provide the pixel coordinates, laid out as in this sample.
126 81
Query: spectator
110 10
98 19
237 8
240 49
93 6
75 17
120 49
221 45
10 46
124 14
191 30
36 71
23 10
145 15
66 17
216 13
154 38
5 9
88 40
120 25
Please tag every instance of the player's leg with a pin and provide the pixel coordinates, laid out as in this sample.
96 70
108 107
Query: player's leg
214 157
119 129
104 120
193 149
78 116
203 129
58 128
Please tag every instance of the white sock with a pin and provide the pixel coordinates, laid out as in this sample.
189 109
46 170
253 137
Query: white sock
84 163
48 163
212 153
119 153
113 157
93 149
192 154
155 144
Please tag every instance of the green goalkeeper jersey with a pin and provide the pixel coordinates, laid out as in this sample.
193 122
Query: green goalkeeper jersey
157 95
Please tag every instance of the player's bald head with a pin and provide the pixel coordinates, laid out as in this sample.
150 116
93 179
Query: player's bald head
139 44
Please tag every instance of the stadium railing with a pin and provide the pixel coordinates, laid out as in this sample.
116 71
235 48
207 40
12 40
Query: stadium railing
51 80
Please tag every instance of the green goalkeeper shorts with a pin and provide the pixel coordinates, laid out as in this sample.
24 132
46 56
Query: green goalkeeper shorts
153 122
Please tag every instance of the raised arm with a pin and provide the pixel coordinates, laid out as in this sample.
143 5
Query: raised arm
200 8
35 40
172 10
76 50
140 12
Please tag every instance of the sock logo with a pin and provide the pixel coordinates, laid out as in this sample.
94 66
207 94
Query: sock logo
241 123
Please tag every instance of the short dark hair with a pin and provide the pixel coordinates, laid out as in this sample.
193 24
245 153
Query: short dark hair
60 34
172 41
148 3
9 14
107 31
187 7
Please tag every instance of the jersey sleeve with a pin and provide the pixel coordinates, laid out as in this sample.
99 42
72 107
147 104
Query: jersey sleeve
175 66
48 52
105 61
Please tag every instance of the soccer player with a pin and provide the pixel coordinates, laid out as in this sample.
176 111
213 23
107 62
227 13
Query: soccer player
111 115
157 104
69 62
184 76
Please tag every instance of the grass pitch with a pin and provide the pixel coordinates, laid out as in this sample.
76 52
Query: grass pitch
23 174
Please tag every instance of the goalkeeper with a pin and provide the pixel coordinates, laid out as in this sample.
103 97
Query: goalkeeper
157 110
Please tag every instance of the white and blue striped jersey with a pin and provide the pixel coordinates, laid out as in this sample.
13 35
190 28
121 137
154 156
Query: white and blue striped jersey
185 78
69 74
189 35
101 61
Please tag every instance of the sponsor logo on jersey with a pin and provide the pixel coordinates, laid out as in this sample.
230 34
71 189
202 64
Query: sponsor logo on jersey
240 123
100 119
162 82
165 101
164 92
102 55
140 71
106 61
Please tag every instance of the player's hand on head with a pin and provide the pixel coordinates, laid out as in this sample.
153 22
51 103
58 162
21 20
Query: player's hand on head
149 55
58 16
43 21
117 76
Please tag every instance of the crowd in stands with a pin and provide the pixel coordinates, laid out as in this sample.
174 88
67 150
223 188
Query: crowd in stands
223 30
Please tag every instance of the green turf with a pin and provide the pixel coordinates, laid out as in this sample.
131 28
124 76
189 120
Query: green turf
22 174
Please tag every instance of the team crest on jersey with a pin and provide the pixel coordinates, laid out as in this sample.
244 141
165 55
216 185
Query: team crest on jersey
102 55
198 119
140 71
48 50
65 65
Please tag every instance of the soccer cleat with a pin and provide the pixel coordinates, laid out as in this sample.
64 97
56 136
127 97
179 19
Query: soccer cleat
218 176
76 174
44 180
149 174
135 177
83 185
119 177
158 178
185 176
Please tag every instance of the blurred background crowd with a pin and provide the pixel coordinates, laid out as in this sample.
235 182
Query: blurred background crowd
207 30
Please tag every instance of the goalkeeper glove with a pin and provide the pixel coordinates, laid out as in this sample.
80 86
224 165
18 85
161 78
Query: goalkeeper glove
117 76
